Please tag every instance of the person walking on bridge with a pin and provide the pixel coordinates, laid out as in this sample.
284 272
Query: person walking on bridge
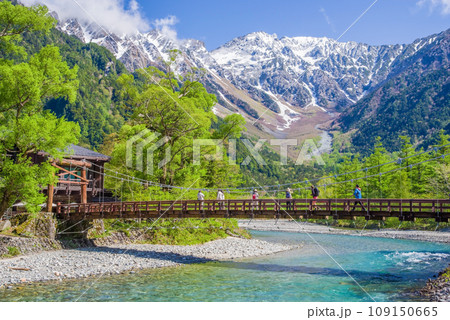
255 197
200 197
288 199
221 197
358 195
315 194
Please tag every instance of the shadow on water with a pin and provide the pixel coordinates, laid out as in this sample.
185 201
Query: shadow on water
334 272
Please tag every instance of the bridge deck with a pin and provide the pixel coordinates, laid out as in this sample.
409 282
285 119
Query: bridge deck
374 209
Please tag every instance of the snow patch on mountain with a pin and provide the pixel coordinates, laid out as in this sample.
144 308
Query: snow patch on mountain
293 72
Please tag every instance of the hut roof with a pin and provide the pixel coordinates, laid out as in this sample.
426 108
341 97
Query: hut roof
77 152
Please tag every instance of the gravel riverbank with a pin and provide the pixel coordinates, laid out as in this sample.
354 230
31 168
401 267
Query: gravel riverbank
116 259
306 227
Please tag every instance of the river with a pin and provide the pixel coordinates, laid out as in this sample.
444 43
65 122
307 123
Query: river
382 269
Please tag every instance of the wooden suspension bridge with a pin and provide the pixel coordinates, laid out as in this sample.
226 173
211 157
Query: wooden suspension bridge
370 209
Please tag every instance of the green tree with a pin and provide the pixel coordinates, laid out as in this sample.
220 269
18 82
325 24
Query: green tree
417 173
25 86
377 181
15 20
22 180
349 178
25 128
439 184
170 112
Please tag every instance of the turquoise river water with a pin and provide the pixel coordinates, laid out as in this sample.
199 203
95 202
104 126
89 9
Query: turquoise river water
387 269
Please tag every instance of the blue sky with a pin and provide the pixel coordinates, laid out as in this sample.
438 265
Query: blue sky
386 22
216 22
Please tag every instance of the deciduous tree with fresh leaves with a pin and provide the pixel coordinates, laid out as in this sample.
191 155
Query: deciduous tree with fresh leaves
25 84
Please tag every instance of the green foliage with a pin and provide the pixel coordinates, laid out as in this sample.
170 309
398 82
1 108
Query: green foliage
377 185
176 232
12 252
24 86
169 115
21 179
415 104
96 107
403 174
25 128
446 275
16 20
390 223
273 172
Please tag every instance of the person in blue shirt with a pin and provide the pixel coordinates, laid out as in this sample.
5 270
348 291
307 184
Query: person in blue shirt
288 199
358 195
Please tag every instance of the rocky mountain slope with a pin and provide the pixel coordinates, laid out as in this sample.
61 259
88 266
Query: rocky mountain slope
414 100
285 87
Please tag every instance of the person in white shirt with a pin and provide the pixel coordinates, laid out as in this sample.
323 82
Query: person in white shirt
200 197
221 196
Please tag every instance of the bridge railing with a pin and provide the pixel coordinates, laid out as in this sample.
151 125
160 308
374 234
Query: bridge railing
405 209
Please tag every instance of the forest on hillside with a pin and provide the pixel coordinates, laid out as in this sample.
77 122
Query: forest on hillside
56 90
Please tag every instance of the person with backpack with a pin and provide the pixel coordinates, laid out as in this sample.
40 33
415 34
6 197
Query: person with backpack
315 194
288 197
358 195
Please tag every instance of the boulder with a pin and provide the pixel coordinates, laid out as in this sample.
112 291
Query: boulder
98 228
38 225
5 225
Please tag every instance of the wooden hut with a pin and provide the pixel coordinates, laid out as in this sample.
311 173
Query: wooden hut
80 176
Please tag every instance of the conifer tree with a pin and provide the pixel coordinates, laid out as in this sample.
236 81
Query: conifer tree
377 183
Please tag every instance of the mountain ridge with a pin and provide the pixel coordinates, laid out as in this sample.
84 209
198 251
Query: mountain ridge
279 85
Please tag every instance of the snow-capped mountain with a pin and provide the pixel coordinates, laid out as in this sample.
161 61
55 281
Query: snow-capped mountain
271 80
303 70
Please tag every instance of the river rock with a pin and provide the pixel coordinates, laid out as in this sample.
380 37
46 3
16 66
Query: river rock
5 225
116 259
39 225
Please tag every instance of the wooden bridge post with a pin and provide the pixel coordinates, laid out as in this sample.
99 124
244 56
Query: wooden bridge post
50 191
83 186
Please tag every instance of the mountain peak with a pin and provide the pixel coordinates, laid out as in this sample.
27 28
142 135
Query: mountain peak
261 35
260 70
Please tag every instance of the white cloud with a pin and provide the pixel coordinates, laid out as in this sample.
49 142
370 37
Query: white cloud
327 19
110 14
166 27
442 5
134 6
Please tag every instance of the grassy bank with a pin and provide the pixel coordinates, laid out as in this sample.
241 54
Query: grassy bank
163 231
174 231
